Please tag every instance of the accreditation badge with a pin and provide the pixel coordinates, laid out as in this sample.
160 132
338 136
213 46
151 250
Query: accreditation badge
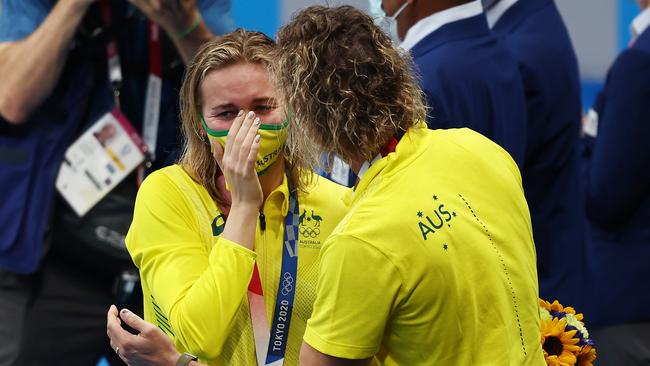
98 161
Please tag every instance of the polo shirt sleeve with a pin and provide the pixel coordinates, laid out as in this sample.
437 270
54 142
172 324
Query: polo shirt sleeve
358 289
19 18
619 176
217 15
199 289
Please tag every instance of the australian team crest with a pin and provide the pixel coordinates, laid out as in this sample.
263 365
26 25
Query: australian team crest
309 223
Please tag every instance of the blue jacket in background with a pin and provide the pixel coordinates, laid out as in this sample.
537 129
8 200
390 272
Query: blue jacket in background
535 33
617 184
471 80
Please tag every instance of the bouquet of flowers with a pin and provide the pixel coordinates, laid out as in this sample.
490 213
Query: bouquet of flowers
565 339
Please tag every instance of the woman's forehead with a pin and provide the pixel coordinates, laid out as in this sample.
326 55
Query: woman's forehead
240 82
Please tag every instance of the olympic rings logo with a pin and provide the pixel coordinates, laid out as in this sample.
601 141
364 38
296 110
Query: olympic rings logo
309 232
287 283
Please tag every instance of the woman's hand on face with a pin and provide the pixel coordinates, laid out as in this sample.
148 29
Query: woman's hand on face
238 161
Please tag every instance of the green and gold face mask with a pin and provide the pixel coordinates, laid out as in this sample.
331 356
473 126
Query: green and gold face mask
272 139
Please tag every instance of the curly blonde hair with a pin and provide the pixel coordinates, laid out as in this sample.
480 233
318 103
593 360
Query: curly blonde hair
240 46
347 87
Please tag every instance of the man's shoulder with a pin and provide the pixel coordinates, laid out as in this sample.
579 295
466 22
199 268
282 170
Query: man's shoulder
479 54
631 67
643 42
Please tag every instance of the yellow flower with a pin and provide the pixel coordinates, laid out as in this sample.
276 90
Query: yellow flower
560 347
586 356
552 360
545 304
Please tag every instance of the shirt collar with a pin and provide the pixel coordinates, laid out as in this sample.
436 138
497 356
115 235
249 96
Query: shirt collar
640 23
407 148
279 197
434 21
494 14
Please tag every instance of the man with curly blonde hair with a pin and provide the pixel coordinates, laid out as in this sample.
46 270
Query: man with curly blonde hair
435 262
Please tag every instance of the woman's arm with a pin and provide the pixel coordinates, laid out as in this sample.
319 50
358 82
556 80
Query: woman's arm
199 291
31 67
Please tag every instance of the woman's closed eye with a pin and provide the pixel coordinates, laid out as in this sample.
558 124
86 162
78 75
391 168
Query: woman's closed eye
226 115
264 108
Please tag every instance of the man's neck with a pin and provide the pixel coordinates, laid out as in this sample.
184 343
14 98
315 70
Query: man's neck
424 9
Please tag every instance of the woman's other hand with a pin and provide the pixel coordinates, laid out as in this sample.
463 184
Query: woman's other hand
150 347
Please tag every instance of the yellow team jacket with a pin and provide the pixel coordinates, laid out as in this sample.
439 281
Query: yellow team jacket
195 283
435 263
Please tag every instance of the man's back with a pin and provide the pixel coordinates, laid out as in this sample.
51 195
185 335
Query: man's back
471 80
535 33
444 274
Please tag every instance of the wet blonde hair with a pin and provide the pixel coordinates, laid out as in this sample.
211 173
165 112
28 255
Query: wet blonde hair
347 87
240 46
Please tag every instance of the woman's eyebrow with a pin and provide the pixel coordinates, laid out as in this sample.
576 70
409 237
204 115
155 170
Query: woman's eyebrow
223 106
265 100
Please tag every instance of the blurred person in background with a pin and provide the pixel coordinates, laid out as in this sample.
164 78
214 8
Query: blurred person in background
469 77
55 61
617 183
535 33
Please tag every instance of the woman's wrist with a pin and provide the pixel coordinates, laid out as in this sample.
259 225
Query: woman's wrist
183 23
189 29
244 209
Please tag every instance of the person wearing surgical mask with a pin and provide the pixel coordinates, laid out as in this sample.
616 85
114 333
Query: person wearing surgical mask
468 76
228 240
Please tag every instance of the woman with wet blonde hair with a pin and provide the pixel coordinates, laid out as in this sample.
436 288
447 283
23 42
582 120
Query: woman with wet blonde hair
227 241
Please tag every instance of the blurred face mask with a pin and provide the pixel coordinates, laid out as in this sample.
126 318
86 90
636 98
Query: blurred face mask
272 139
386 23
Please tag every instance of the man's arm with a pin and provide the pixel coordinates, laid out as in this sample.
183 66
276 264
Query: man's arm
31 67
310 356
182 20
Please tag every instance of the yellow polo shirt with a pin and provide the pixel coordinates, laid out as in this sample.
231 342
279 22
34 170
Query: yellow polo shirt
435 262
195 283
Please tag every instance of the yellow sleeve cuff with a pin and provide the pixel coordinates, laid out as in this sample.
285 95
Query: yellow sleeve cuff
336 349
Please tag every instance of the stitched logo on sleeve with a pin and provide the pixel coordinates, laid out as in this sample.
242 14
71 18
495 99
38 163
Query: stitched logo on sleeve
218 224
